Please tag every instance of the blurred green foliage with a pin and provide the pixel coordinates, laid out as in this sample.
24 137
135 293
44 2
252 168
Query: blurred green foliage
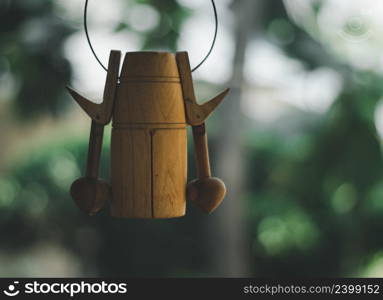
31 50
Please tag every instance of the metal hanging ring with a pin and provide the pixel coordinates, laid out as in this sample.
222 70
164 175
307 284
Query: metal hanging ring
195 68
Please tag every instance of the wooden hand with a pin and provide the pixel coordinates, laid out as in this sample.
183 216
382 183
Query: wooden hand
206 192
91 193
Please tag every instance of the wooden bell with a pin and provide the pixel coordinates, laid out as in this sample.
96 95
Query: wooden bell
151 103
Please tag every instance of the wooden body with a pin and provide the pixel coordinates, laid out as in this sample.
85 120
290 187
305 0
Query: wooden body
150 103
149 141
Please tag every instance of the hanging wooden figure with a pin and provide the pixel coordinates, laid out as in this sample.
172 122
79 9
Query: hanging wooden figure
150 104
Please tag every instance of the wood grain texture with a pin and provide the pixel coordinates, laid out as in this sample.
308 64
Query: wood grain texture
148 102
196 114
149 64
201 151
150 90
169 172
206 192
131 173
94 150
149 139
110 90
90 194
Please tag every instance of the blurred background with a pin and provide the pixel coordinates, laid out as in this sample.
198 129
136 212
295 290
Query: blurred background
298 142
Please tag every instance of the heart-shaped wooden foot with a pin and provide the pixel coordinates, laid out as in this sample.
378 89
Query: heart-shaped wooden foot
206 193
90 194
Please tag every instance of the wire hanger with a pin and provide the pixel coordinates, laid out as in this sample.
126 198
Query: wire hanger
194 69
